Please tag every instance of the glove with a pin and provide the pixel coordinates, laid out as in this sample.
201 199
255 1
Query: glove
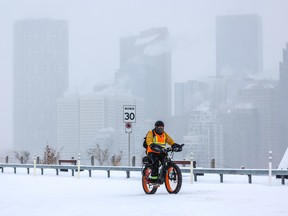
176 147
156 148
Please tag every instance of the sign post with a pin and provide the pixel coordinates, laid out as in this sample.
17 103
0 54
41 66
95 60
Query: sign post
270 168
128 129
129 117
34 162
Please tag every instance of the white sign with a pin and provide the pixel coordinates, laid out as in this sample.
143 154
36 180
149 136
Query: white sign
128 127
129 113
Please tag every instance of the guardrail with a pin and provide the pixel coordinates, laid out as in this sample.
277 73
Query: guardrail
249 172
73 168
196 171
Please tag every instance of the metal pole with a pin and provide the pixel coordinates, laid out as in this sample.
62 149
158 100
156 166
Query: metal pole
128 149
78 175
212 163
191 168
34 162
270 167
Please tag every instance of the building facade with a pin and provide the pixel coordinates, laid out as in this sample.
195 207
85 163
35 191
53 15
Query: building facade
241 136
189 96
262 96
283 102
68 134
238 45
145 66
40 77
87 120
205 138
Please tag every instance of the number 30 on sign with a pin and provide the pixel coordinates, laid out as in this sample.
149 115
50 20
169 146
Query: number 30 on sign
129 113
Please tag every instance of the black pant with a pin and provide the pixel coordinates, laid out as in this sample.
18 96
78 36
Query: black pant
155 158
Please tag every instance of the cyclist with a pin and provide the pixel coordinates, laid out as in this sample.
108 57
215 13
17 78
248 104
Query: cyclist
156 140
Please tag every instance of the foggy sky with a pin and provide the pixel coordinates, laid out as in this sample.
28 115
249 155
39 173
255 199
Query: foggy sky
95 27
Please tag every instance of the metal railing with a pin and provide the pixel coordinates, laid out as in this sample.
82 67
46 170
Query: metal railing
73 168
227 171
282 174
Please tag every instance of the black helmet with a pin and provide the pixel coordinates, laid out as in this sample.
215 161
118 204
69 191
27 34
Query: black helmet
159 123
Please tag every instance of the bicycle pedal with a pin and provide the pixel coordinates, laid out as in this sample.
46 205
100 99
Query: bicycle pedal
155 184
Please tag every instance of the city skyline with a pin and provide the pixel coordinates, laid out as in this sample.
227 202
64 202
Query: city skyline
33 40
183 41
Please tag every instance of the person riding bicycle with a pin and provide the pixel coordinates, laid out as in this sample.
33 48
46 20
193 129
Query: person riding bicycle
156 140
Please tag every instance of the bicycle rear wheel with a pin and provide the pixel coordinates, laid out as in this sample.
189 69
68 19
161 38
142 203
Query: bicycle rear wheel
147 186
173 179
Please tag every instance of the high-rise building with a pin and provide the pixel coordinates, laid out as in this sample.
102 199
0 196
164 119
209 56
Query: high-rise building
283 102
205 138
238 45
145 67
217 93
188 96
97 118
241 136
262 96
68 135
40 77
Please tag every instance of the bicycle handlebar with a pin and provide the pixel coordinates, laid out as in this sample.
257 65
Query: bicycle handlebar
170 149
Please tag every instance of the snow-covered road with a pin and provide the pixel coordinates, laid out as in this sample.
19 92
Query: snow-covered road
63 195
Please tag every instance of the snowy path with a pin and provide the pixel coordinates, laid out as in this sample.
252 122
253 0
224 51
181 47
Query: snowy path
26 195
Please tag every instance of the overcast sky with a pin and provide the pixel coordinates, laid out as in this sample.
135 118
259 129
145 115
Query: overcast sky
95 27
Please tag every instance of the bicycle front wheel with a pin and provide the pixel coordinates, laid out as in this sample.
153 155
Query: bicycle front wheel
147 187
173 179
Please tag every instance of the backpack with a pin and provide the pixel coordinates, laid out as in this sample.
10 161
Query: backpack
144 142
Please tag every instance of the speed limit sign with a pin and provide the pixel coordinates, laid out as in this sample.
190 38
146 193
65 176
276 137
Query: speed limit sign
129 113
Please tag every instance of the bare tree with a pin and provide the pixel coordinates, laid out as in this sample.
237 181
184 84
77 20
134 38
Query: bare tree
51 155
116 159
23 156
100 155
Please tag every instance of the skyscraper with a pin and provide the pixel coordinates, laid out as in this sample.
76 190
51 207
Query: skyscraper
238 45
241 136
145 65
262 96
68 138
40 76
283 102
205 132
188 96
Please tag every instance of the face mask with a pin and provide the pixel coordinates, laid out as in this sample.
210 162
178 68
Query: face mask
159 130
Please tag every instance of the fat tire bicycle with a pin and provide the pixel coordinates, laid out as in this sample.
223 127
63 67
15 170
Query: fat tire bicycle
169 173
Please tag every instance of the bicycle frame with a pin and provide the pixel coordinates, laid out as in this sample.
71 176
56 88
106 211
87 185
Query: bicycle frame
168 173
163 165
167 160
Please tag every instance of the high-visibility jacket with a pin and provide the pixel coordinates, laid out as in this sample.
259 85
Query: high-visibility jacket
153 137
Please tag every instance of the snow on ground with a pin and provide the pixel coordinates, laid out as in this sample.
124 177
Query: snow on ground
64 195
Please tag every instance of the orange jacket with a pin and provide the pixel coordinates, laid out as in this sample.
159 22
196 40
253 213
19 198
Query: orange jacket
158 139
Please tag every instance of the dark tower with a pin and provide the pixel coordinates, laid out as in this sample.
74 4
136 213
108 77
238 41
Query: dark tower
145 64
238 45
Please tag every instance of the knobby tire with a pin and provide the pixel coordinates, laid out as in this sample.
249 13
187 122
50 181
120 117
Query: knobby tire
173 179
148 188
